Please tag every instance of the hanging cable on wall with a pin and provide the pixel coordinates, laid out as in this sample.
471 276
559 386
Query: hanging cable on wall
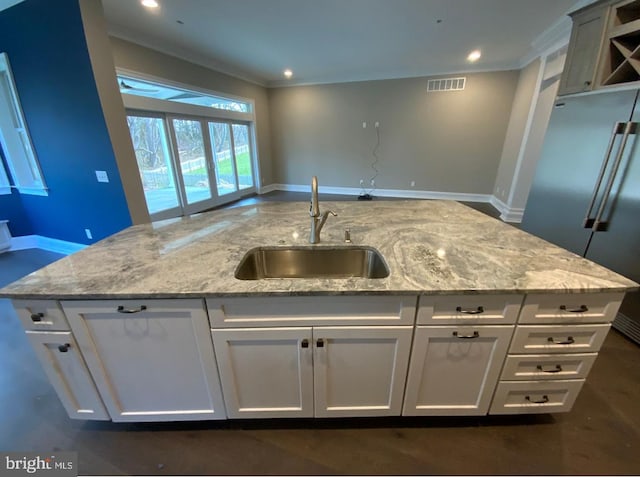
368 194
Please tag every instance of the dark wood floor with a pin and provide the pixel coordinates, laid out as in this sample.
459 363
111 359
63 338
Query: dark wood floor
601 435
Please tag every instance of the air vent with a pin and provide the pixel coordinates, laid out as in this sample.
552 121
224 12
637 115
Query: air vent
446 84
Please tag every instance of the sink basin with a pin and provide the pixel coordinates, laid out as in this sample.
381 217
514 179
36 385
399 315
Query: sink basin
308 262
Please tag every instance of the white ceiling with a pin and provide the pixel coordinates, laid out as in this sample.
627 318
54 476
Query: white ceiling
325 41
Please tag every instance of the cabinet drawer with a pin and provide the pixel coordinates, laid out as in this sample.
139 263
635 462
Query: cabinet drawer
311 310
532 339
468 309
41 315
570 308
531 397
545 366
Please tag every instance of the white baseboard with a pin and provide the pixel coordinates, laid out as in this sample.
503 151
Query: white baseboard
267 189
406 194
507 214
45 243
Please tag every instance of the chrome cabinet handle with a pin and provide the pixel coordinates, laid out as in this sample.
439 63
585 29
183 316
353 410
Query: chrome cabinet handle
598 224
466 337
477 311
582 309
122 309
568 341
544 399
37 317
557 369
618 128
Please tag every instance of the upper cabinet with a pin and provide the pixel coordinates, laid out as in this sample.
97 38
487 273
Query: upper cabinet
605 47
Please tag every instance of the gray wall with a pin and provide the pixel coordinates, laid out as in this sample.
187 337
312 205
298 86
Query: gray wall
114 113
446 141
522 105
144 60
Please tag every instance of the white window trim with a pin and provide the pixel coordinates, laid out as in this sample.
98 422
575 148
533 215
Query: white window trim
19 134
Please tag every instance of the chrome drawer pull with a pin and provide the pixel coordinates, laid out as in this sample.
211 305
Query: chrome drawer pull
582 309
544 399
477 311
122 309
467 337
568 341
557 369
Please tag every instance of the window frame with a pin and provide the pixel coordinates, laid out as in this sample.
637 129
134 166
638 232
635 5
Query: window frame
24 158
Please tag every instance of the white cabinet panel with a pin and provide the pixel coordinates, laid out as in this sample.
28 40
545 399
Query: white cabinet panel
67 372
454 370
570 308
41 315
311 310
547 366
152 360
266 372
468 309
360 371
531 397
558 338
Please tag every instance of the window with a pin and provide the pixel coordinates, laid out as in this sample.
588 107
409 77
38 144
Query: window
194 149
148 89
14 137
5 187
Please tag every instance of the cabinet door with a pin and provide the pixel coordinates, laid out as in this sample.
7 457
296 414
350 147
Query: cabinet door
266 372
67 372
152 360
360 371
584 48
454 370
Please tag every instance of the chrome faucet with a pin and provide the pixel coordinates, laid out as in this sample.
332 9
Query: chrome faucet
317 219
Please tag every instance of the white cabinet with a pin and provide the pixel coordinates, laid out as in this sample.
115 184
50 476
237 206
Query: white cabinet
554 346
266 372
152 360
62 362
289 372
360 371
454 369
41 315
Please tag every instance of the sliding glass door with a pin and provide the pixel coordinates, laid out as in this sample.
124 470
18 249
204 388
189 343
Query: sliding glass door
154 158
197 163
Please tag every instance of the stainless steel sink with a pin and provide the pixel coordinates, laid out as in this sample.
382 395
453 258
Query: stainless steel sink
312 262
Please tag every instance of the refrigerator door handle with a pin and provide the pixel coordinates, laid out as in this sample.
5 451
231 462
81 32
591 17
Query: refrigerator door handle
618 128
598 224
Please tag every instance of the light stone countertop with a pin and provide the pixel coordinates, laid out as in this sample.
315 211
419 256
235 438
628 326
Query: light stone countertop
430 246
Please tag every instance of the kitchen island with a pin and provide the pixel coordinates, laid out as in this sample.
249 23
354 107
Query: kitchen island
475 317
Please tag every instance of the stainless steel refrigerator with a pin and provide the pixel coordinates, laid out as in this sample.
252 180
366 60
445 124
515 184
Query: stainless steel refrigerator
585 195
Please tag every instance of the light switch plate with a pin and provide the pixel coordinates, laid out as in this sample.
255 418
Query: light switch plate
102 176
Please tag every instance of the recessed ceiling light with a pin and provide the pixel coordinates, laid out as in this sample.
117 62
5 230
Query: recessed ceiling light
288 73
474 55
149 3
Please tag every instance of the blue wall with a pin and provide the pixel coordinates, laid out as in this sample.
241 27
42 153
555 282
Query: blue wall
47 50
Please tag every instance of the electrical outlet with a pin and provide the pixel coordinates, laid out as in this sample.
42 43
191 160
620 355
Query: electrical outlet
361 182
373 183
413 183
102 176
377 125
88 232
364 125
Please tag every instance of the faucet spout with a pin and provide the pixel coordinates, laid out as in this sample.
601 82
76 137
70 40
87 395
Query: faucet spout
317 219
314 209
